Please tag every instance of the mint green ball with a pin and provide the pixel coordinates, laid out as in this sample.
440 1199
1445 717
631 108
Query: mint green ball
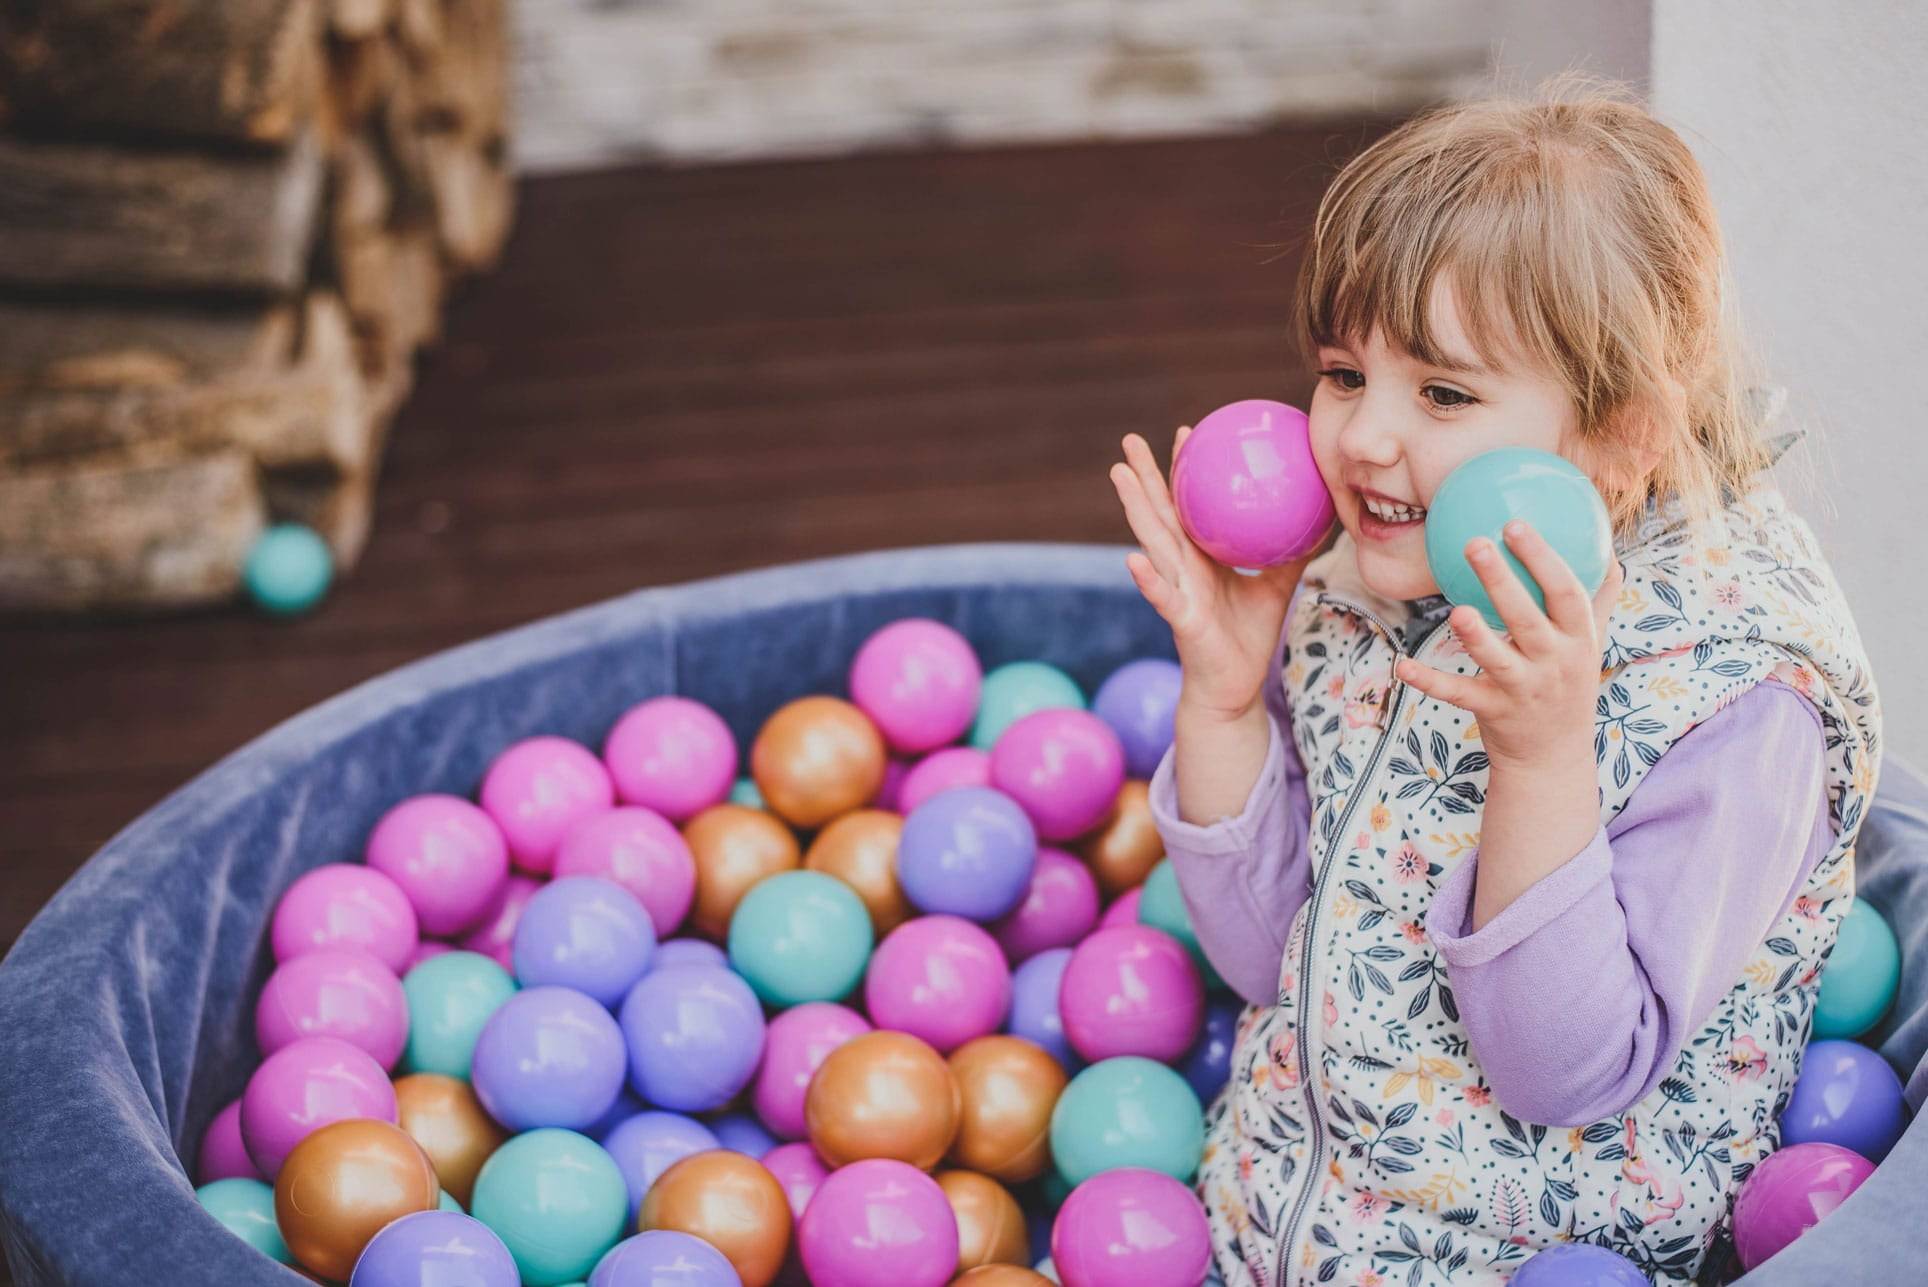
246 1207
1046 1269
1859 981
1127 1111
1016 689
745 793
800 936
448 1203
1162 907
288 570
556 1200
450 997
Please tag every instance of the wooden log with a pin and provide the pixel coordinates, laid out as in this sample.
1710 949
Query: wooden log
359 19
104 217
474 200
392 284
360 75
228 70
47 346
462 83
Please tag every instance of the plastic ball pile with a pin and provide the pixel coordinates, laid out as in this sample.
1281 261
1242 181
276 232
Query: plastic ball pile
874 999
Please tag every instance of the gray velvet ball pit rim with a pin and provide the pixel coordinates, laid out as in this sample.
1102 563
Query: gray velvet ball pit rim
126 1006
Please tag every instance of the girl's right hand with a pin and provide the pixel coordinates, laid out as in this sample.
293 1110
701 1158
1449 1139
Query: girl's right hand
1226 625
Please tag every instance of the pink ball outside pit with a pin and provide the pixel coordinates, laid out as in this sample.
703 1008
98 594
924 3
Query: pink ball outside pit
495 936
1060 908
879 1223
892 791
1131 1227
425 949
799 1170
673 755
919 681
1132 990
346 905
1790 1192
940 978
223 1156
1064 766
1123 910
336 992
794 1045
448 856
640 850
954 766
539 788
301 1088
1247 488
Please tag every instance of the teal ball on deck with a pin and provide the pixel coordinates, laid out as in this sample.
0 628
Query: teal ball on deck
288 570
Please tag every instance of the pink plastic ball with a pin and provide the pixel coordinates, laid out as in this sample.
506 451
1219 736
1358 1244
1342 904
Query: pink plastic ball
223 1156
891 793
495 936
1131 991
425 949
1791 1192
640 850
303 1087
879 1223
673 755
799 1170
1123 910
1247 488
919 681
448 856
1064 766
794 1044
939 978
336 992
1131 1227
1060 908
346 905
539 788
954 766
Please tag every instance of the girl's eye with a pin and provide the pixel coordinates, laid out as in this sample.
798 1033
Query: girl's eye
1455 397
1343 377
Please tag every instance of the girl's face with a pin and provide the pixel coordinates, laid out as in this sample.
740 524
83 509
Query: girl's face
1387 429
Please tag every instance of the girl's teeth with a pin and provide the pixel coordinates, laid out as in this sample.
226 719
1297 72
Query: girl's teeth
1389 512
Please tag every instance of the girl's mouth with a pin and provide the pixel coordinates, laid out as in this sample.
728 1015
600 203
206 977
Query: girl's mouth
1382 519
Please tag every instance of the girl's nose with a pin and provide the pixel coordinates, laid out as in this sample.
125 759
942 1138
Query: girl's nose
1370 436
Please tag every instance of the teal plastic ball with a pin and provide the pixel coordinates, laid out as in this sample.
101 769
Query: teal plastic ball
447 1202
1859 981
745 793
246 1208
288 570
1547 492
800 936
1162 906
1127 1111
450 997
556 1200
1015 690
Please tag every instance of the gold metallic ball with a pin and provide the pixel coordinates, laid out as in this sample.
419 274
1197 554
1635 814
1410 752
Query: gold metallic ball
816 759
734 847
443 1115
1126 846
730 1201
883 1094
860 849
990 1224
1007 1087
342 1184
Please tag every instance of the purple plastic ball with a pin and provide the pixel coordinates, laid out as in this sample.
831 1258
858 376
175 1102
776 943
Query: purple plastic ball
689 951
1208 1064
301 1088
1847 1095
627 1105
649 1143
448 856
336 992
1123 909
1138 700
969 852
1034 1006
1791 1192
586 933
440 1247
890 794
537 790
494 937
548 1056
879 1223
1131 1227
796 1043
640 850
1064 766
663 1258
1579 1264
799 1170
939 978
742 1133
695 1035
223 1156
1247 488
673 755
346 905
1059 908
1131 991
954 766
919 681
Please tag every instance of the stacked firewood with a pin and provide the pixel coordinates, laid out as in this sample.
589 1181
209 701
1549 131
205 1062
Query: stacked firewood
225 228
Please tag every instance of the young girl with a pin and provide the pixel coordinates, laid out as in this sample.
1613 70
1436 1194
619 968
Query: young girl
1530 921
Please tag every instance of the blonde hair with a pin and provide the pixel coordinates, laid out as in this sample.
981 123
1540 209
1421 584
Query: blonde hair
1579 235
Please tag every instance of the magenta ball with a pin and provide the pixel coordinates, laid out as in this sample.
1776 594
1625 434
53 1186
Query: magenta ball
941 979
303 1087
879 1223
346 905
919 681
1064 766
640 850
954 766
1060 908
495 936
539 788
1131 1227
673 755
1123 910
799 1170
223 1156
794 1044
448 856
1790 1193
1131 991
891 793
425 950
1246 487
336 992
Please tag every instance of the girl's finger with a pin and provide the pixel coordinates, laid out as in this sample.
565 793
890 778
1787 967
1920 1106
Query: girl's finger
1464 691
1531 632
1138 455
1184 432
1157 591
1152 535
1495 655
1566 599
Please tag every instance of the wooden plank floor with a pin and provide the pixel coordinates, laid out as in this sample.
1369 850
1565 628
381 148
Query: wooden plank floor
677 373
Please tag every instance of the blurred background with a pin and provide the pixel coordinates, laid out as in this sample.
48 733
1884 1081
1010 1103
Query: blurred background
520 304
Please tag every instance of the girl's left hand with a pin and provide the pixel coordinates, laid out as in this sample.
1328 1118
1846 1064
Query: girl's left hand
1535 697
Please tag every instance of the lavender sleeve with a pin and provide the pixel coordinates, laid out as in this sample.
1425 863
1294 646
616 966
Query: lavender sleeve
1578 997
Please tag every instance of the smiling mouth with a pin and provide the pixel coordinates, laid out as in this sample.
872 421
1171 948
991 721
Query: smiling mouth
1391 513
